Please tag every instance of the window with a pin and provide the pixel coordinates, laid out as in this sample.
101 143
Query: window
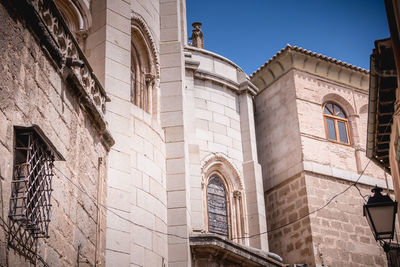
223 199
143 68
31 183
336 124
217 206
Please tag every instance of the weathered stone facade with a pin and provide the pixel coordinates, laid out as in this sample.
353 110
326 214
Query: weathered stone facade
305 170
35 92
190 160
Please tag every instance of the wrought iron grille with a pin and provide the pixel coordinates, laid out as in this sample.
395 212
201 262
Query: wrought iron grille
217 208
31 185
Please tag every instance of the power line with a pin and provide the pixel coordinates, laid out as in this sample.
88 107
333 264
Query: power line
320 208
259 234
112 211
335 196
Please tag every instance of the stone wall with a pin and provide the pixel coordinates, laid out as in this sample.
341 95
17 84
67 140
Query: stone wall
137 169
293 150
220 129
341 235
33 92
277 119
311 93
284 204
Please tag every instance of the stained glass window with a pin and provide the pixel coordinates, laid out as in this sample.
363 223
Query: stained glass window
217 206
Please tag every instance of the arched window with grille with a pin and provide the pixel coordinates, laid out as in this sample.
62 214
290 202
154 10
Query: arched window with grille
336 123
217 206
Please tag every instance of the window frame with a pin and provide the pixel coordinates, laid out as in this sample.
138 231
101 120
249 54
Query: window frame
335 119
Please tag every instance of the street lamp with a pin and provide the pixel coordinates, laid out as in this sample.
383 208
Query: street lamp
381 212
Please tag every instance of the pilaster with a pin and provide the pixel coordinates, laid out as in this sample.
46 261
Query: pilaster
172 121
252 175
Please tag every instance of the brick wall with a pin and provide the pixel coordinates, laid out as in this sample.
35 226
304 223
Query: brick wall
33 92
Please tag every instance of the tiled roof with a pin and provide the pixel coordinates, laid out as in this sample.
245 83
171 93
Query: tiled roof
313 54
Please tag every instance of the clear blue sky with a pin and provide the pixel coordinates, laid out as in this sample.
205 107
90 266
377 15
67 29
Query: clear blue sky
250 32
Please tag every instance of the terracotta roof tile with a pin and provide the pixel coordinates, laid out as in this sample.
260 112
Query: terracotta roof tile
310 53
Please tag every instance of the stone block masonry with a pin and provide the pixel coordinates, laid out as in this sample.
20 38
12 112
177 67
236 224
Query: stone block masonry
303 169
33 92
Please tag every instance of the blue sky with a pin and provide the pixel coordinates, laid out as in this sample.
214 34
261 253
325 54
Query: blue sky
250 32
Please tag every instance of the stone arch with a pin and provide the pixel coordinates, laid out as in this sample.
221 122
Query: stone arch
77 17
341 101
144 66
363 109
221 163
217 164
139 25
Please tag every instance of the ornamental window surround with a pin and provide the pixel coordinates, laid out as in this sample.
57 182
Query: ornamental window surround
143 69
224 207
336 124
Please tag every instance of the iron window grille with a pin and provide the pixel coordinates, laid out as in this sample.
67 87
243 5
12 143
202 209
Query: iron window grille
31 186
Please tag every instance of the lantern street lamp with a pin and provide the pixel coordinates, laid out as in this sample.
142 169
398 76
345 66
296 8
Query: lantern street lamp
381 212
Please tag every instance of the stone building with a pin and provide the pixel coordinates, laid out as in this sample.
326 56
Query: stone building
52 125
168 154
319 108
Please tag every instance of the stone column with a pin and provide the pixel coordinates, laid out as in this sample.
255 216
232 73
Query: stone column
237 199
172 120
252 173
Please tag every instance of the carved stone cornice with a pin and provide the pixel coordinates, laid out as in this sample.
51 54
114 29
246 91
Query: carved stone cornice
292 57
45 21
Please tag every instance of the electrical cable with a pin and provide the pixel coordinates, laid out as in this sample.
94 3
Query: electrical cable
4 225
250 236
112 211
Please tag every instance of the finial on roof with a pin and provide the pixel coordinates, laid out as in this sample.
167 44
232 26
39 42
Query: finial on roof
197 35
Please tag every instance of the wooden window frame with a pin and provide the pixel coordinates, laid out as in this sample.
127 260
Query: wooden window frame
336 119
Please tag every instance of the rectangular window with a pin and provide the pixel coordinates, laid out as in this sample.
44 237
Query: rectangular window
31 183
330 126
342 131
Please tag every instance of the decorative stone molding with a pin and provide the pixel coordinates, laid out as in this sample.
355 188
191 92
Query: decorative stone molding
219 159
293 57
214 250
240 84
47 23
141 23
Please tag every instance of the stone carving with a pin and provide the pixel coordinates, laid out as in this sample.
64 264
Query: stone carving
68 48
197 35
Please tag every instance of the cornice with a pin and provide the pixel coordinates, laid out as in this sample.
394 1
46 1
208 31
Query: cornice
58 43
292 57
240 85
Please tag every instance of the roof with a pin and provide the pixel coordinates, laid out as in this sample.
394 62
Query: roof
313 54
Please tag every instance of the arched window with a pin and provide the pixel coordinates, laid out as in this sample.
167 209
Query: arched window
217 206
224 199
143 68
77 17
336 123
